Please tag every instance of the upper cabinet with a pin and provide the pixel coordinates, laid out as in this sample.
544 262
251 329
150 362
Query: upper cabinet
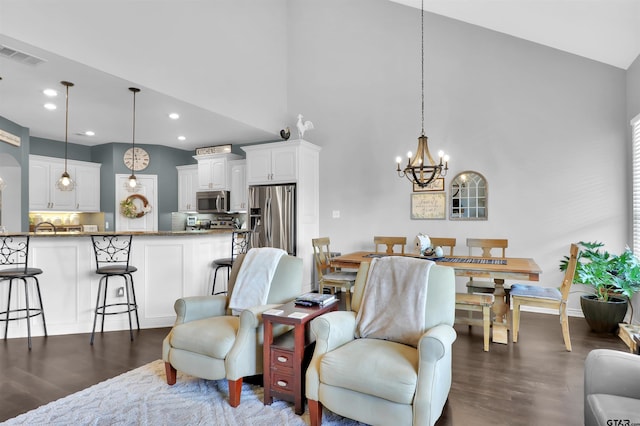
187 187
272 163
87 178
44 172
238 169
213 171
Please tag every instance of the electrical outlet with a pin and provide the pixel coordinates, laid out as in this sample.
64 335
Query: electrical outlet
120 292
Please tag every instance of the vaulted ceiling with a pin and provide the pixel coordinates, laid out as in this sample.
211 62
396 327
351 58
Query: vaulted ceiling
222 64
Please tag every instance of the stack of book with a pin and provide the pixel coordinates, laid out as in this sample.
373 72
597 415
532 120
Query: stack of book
315 299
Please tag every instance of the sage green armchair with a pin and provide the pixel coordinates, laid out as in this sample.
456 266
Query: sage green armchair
381 382
206 341
611 388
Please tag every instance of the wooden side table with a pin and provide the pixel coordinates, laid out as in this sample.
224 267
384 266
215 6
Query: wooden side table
283 374
629 334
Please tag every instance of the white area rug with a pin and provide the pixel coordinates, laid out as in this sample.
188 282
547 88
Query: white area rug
142 397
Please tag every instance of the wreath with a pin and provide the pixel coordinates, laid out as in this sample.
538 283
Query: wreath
129 209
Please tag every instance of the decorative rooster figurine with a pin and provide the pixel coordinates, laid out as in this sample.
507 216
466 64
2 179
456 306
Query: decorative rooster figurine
303 126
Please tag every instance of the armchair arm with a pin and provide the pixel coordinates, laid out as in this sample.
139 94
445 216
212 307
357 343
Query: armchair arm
602 373
331 331
436 342
244 357
199 307
434 372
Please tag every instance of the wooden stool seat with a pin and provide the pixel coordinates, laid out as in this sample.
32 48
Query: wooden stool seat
476 302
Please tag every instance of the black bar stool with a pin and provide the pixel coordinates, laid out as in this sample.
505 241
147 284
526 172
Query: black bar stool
14 255
240 243
112 260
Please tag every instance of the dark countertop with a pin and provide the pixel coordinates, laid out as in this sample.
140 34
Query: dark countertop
145 234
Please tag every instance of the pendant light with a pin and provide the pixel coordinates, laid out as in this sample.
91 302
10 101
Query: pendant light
421 169
132 183
65 183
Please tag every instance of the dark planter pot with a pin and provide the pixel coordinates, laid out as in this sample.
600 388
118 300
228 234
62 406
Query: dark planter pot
603 317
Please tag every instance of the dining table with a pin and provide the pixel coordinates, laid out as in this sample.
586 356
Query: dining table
497 269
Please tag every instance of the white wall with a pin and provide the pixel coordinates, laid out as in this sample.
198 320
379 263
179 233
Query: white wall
546 128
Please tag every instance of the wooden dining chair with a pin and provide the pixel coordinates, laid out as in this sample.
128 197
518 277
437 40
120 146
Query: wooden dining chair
328 276
546 297
486 246
449 243
469 302
389 243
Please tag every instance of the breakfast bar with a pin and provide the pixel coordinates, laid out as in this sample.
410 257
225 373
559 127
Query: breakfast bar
170 265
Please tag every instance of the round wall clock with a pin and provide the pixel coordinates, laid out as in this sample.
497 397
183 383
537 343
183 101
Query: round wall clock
141 159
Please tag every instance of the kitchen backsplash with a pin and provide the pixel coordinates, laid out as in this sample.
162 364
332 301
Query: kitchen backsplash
70 221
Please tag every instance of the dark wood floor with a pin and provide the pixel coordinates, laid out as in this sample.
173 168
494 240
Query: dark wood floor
533 382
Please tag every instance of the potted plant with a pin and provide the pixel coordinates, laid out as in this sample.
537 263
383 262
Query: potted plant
613 278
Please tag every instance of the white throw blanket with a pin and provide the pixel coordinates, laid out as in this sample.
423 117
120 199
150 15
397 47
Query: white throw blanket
254 278
394 302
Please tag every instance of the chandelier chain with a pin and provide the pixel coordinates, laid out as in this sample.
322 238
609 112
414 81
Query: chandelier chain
422 60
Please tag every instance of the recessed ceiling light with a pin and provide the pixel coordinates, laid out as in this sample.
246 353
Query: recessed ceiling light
50 107
174 116
50 92
182 138
90 133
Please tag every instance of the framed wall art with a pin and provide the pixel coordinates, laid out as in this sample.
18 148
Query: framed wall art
429 205
436 185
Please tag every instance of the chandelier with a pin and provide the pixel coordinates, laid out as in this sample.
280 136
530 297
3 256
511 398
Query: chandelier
65 183
421 169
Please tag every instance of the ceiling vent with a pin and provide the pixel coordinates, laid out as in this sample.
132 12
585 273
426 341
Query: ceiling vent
19 56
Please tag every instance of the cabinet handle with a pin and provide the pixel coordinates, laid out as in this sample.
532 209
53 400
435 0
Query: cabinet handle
283 359
282 383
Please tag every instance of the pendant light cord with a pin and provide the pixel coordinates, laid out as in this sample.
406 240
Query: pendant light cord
133 136
134 90
66 127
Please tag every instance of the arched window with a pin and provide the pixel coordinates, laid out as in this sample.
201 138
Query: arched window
468 197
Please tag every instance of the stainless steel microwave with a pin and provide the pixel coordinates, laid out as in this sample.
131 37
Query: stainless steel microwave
213 201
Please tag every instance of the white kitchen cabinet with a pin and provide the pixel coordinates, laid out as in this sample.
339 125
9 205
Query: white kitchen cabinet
272 163
87 178
213 171
238 170
187 187
44 173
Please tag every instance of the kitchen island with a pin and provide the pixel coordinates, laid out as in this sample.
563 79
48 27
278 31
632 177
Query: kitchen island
170 265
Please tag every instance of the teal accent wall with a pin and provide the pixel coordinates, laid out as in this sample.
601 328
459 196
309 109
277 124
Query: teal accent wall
21 154
163 164
54 148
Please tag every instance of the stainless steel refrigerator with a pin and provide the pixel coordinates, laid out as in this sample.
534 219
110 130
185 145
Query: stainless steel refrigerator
272 214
